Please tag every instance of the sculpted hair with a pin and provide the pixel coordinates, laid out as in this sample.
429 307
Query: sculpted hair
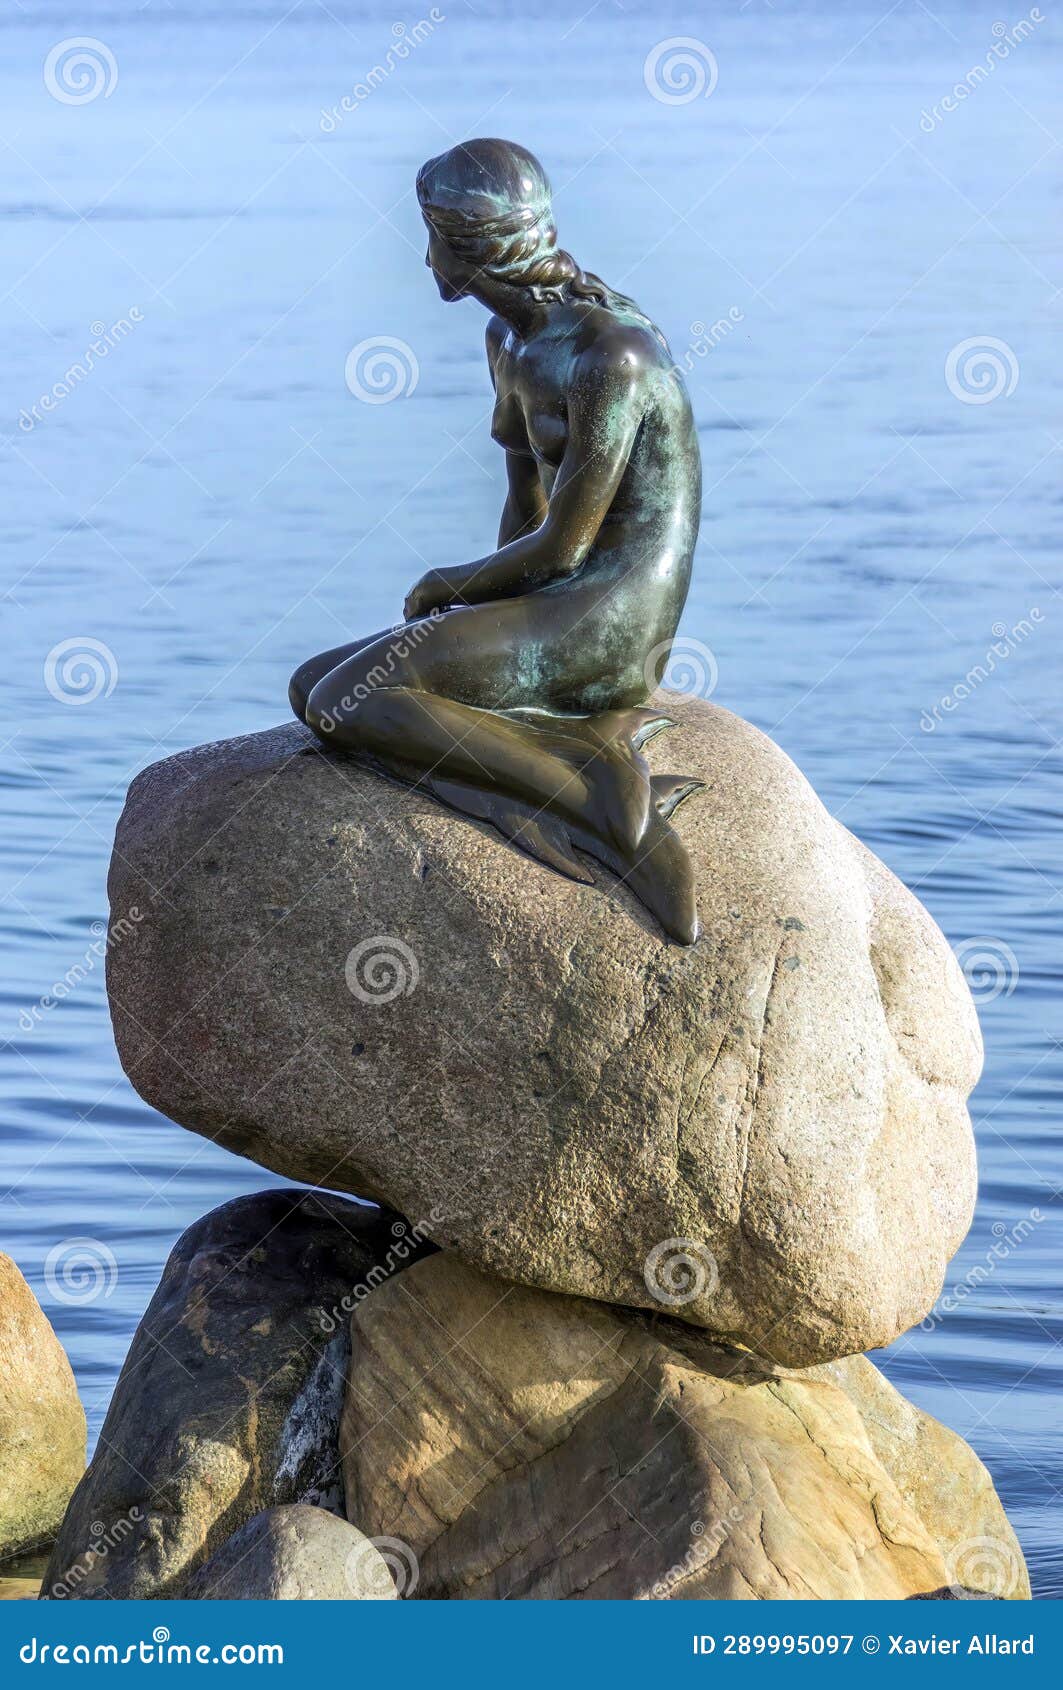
490 202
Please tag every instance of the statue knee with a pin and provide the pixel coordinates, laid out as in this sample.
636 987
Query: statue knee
297 695
317 715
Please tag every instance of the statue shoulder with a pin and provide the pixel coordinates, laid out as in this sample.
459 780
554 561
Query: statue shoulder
618 356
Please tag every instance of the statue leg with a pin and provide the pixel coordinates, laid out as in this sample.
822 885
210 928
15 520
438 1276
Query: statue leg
416 733
546 789
306 677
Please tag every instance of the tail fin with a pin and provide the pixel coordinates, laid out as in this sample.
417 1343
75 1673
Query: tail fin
627 824
542 836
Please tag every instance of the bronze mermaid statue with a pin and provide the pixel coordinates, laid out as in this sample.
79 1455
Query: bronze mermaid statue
516 690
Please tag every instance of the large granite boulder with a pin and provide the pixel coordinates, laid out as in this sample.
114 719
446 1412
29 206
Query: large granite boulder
42 1422
510 1444
294 1554
230 1396
765 1134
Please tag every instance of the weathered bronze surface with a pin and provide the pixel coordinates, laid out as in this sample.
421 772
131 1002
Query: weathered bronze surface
513 691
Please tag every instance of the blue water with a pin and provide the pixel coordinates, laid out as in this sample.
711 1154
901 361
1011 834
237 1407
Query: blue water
211 503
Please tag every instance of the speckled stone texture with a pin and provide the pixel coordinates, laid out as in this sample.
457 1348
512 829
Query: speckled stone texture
774 1118
230 1396
294 1554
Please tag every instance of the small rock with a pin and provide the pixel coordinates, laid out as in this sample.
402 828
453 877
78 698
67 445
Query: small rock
297 1553
230 1396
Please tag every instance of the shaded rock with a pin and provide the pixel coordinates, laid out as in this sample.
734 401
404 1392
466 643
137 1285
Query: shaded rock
765 1134
294 1554
42 1422
520 1445
229 1399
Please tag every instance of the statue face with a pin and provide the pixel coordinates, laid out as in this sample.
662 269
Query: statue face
452 274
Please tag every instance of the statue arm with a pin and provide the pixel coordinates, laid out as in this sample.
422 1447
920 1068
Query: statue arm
526 504
605 410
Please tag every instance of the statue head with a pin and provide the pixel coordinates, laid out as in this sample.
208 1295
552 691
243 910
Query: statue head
489 215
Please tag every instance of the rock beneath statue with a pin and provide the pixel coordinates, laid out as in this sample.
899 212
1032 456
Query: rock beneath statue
294 1554
764 1135
42 1422
510 1444
230 1396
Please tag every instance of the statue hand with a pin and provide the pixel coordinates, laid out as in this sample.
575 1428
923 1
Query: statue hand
425 596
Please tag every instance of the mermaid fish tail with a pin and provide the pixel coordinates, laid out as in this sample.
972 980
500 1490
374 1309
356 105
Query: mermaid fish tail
624 825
